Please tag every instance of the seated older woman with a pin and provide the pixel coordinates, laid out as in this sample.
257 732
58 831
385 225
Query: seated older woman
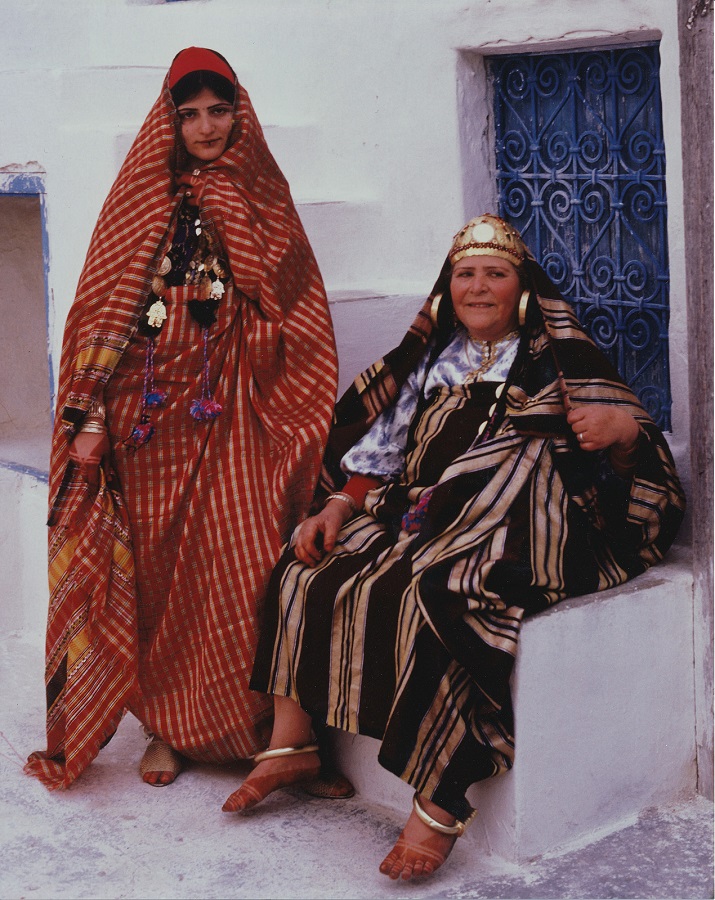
506 466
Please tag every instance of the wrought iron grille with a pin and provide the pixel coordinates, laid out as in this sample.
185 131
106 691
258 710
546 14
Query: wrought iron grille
581 173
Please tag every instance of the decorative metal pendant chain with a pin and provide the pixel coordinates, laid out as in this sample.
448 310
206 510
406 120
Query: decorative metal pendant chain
190 261
488 352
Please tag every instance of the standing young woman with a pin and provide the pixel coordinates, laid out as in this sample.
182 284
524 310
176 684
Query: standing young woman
196 389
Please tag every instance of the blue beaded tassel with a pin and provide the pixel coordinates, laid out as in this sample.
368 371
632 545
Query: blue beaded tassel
205 408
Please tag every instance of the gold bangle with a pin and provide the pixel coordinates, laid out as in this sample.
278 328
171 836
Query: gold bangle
97 409
346 498
93 428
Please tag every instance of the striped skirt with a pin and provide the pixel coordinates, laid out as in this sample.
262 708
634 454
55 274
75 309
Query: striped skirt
349 641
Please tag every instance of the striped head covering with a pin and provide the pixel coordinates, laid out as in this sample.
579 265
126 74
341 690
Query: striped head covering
248 207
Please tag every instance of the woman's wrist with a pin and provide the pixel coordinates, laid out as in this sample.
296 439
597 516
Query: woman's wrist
624 455
631 430
342 497
357 488
95 422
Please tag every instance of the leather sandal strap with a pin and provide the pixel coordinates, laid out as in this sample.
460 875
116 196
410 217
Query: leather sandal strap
277 752
457 829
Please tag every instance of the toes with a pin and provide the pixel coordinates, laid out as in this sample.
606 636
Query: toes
158 779
422 868
392 865
234 802
418 869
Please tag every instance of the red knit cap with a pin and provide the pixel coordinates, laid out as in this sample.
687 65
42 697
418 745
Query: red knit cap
193 59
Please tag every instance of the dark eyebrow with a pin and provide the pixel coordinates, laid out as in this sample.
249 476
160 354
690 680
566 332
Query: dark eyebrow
195 108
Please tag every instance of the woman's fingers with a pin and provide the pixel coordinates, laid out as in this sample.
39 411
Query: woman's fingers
600 426
309 542
317 535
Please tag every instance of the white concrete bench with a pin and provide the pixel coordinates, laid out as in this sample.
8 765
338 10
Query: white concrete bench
605 727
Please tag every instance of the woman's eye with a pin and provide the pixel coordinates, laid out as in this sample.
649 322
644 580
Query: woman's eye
221 111
185 116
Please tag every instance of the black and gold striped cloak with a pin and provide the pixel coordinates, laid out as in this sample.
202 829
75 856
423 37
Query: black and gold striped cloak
411 638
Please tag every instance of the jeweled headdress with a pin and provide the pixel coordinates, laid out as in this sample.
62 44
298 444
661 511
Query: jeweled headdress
488 235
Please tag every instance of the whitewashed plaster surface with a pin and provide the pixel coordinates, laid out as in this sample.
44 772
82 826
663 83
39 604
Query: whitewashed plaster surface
375 109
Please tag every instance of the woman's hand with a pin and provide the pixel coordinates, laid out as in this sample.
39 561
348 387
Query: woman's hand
599 426
87 450
316 536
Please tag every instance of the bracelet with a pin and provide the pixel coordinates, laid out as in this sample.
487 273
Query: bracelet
93 428
97 409
346 498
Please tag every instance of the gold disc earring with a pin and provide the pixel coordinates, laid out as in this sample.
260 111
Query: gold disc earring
523 303
434 308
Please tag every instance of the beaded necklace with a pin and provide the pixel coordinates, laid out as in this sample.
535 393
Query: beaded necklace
191 260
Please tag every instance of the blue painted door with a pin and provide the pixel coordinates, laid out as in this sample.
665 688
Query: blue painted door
580 168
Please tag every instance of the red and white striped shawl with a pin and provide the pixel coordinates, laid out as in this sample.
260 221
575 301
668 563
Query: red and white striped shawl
248 207
92 628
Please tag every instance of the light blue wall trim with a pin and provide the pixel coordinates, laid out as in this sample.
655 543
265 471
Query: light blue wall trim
39 474
22 183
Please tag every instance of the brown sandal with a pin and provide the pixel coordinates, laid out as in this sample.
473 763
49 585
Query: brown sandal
160 757
329 786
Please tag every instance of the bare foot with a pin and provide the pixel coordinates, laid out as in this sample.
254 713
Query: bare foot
160 764
270 775
420 850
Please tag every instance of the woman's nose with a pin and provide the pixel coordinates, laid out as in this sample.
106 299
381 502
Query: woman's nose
205 123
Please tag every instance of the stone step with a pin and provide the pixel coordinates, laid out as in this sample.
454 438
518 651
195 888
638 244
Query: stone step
604 707
298 150
345 237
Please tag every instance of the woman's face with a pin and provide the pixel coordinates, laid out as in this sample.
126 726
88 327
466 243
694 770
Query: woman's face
485 293
206 123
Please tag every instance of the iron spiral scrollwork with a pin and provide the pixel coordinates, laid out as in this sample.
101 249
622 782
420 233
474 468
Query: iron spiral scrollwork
581 173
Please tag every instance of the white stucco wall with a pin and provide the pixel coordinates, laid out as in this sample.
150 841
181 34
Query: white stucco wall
377 111
362 99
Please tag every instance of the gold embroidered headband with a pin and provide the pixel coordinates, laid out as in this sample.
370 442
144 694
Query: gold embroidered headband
488 235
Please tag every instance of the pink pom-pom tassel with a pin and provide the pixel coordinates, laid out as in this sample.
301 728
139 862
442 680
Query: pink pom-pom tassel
205 410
